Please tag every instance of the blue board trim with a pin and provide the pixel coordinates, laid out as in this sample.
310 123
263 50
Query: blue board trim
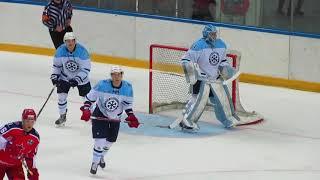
183 20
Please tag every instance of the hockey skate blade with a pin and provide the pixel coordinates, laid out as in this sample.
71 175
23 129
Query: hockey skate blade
60 125
190 131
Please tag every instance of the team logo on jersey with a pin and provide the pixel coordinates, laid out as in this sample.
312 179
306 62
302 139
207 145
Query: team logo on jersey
30 142
72 66
112 104
214 58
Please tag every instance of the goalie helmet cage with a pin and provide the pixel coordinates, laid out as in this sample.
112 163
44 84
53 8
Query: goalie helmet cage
169 90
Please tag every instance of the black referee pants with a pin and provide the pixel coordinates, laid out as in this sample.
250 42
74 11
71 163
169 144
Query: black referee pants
57 37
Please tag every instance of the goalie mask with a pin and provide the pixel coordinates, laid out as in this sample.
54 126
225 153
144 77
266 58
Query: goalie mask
209 33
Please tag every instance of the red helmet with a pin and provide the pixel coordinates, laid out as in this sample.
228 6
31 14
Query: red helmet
29 114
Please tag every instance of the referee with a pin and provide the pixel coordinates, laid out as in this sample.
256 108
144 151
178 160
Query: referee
57 16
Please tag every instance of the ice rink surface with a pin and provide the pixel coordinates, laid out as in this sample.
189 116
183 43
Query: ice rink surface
284 147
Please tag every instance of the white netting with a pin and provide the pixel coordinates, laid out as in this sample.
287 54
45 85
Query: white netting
169 90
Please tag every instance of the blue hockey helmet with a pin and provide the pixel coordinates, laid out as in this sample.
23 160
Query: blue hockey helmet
209 33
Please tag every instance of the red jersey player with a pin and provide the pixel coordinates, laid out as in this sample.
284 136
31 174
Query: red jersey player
19 142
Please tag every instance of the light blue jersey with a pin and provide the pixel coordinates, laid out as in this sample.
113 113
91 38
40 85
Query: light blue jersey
208 57
110 100
69 65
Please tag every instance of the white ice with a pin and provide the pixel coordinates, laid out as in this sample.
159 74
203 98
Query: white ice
285 146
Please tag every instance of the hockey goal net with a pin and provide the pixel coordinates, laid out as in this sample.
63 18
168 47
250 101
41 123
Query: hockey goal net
169 90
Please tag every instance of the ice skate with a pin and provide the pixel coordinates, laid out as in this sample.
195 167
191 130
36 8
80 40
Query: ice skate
102 163
94 168
61 121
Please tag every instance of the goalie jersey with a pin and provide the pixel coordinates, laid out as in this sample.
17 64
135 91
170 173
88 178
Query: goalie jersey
208 57
72 65
110 102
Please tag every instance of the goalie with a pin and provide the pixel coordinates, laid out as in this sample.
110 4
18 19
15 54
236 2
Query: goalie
204 65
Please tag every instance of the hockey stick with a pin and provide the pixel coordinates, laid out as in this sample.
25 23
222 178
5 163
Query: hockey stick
172 125
24 164
44 104
111 120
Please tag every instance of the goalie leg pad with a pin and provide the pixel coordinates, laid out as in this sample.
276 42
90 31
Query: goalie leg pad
222 114
195 108
232 109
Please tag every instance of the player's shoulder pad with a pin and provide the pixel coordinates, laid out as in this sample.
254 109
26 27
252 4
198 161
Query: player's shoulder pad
219 43
126 84
81 52
103 85
9 126
127 88
16 124
199 45
61 51
35 133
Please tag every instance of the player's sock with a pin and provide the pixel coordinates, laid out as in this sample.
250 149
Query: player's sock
97 155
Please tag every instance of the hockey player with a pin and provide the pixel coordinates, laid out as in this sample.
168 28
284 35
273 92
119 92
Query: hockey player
71 67
19 142
203 64
105 104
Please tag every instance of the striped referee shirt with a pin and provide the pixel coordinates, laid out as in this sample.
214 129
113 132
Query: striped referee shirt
55 14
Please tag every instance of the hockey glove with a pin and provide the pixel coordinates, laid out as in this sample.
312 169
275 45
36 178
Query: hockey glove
86 113
132 121
35 174
55 79
73 82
